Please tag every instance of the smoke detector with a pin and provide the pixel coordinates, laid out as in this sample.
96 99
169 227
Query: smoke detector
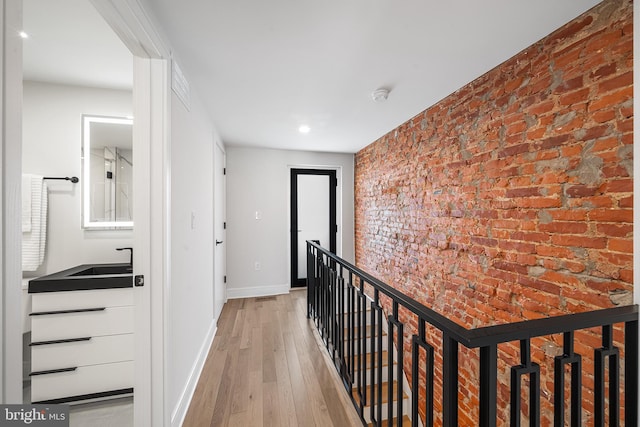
380 94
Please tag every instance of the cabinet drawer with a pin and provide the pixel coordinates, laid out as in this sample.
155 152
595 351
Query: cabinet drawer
110 321
94 351
84 380
69 300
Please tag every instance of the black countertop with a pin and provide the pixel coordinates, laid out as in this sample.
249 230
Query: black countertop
66 281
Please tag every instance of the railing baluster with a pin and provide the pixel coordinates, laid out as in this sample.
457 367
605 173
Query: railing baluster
611 352
420 341
631 373
599 388
575 361
363 343
400 372
333 282
372 344
329 320
309 281
449 380
325 305
533 369
415 356
515 399
328 314
350 322
362 372
488 385
378 335
325 297
319 291
614 388
395 328
340 318
340 314
390 374
429 386
332 313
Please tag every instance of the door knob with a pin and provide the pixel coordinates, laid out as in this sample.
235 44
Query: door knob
218 242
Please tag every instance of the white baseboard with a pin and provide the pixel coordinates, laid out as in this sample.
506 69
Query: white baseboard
258 291
180 411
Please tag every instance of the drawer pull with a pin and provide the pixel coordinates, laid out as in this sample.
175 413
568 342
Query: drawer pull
53 371
60 341
81 310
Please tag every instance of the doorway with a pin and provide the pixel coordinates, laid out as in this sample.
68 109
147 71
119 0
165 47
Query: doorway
220 278
150 134
77 122
313 216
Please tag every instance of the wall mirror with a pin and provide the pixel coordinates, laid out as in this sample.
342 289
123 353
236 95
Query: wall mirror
107 171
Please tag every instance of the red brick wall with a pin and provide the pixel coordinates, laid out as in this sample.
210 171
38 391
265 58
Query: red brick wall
511 199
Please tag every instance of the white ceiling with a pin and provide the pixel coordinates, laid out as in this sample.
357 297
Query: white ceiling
70 43
263 68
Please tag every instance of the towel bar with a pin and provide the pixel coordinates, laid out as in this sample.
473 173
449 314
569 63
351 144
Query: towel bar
73 179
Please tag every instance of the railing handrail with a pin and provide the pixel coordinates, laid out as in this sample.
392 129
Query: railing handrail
495 334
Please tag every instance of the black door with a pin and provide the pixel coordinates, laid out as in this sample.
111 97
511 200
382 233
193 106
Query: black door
313 216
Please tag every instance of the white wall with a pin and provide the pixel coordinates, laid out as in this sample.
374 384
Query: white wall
51 146
191 294
259 180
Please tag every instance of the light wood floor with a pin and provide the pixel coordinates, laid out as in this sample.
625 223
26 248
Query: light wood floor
265 368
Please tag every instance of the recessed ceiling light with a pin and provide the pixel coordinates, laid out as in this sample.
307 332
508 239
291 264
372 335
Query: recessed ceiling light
304 129
23 34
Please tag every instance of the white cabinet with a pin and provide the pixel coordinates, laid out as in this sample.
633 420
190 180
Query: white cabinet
81 344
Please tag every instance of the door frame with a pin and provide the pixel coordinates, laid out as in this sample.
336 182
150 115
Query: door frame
333 223
151 235
10 205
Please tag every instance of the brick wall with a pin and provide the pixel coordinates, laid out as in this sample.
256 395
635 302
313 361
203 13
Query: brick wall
511 199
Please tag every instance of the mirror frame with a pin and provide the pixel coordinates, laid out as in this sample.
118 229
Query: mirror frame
87 119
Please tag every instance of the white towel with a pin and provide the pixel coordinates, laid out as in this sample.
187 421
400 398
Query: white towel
26 203
43 222
34 241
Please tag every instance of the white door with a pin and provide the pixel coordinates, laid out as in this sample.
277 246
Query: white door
219 291
313 215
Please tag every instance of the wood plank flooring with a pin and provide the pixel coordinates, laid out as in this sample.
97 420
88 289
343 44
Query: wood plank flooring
266 368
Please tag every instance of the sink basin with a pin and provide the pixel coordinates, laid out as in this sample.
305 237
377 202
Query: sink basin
85 277
98 270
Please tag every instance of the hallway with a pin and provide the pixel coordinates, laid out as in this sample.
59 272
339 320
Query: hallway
265 368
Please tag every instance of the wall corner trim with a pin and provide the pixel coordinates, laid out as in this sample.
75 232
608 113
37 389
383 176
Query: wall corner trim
180 411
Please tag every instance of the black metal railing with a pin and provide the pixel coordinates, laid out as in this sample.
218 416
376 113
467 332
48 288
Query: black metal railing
353 311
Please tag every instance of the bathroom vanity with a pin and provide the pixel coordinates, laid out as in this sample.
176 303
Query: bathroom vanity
82 334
